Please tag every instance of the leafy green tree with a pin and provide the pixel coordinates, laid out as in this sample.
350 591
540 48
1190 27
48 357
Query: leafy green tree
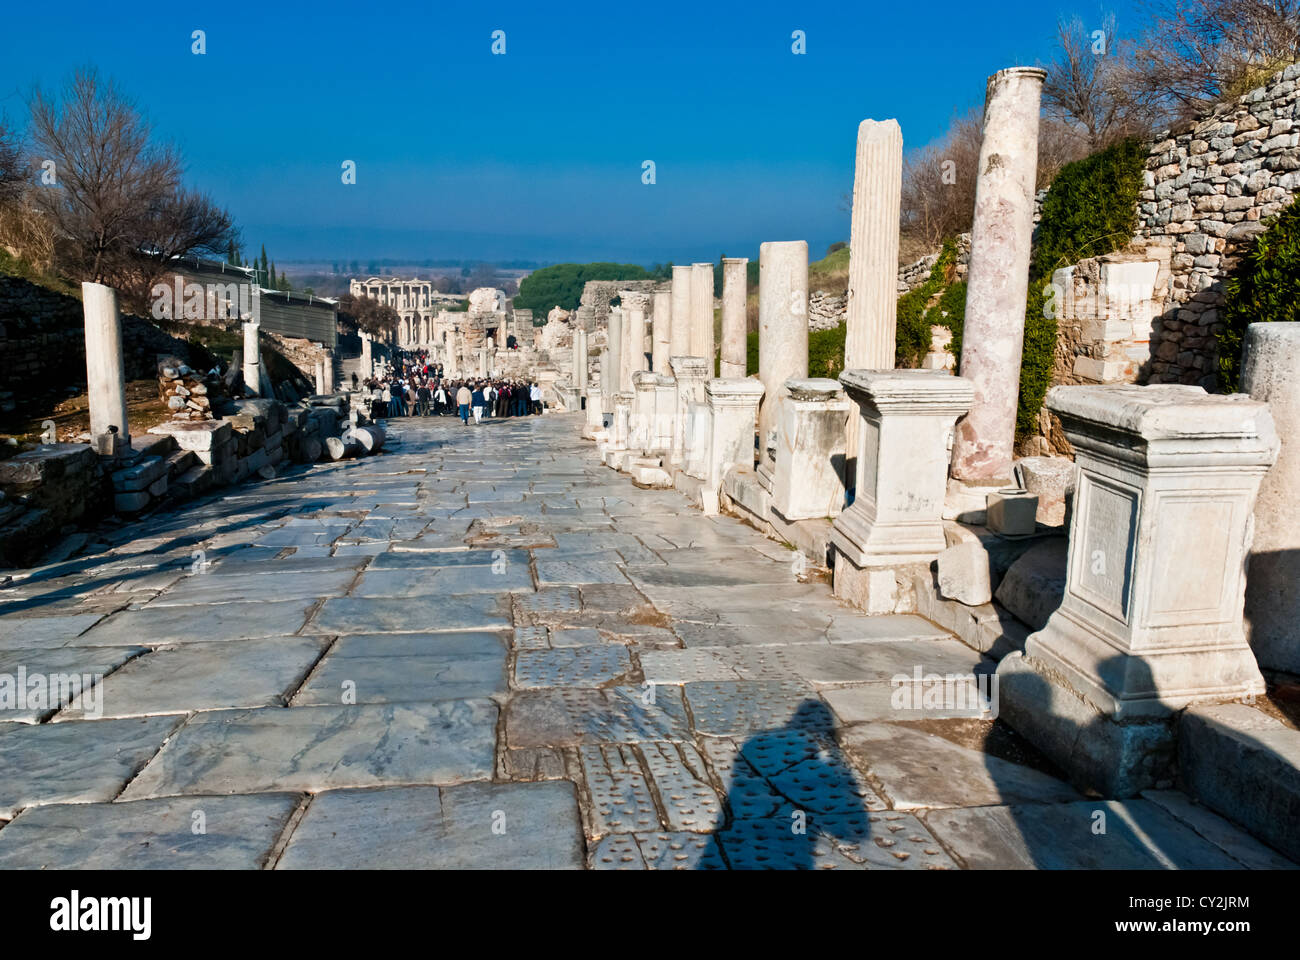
1264 288
561 284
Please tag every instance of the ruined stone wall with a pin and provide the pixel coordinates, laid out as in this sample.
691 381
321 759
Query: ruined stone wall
43 342
1207 191
597 294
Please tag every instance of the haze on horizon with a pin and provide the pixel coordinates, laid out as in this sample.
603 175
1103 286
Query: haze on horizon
536 154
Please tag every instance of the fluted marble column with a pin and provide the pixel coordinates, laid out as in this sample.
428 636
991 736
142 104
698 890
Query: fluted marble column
873 247
614 337
634 306
1001 235
782 330
702 312
734 283
680 337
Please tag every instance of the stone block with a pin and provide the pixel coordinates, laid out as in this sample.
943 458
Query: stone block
808 477
201 436
1052 479
964 574
131 502
1012 512
1246 765
1034 585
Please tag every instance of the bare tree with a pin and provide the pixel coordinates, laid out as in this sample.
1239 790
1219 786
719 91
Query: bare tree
939 187
368 314
117 206
11 171
1198 52
1085 89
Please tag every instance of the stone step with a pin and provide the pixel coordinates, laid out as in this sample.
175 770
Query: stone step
1244 764
193 481
181 461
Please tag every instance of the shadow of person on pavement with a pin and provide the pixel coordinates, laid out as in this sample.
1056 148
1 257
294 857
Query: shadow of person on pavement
793 800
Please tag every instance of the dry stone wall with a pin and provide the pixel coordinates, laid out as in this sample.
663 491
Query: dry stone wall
1208 190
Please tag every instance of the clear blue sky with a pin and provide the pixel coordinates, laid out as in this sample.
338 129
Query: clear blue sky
536 154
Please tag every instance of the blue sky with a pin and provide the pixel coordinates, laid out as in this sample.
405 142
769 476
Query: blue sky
536 154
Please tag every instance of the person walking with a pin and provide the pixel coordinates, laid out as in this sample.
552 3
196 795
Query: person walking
478 401
463 399
422 400
535 395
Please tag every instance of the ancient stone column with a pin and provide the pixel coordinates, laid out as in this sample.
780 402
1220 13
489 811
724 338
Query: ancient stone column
782 334
580 359
679 341
998 279
320 378
482 359
734 282
873 247
329 371
367 356
1150 619
634 305
661 331
733 407
607 378
252 360
614 337
105 365
665 413
1270 372
702 312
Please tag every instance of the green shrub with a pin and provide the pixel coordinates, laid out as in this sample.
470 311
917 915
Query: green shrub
826 352
912 330
1265 288
1090 210
950 312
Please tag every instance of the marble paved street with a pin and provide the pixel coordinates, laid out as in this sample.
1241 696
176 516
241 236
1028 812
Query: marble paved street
485 649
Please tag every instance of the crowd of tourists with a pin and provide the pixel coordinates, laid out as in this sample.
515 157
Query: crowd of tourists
415 387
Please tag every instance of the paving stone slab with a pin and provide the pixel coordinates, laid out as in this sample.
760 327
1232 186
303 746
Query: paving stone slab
325 747
917 769
621 800
160 626
1228 837
459 580
562 572
474 826
571 716
87 761
730 708
550 600
480 611
204 676
685 666
396 668
1138 835
237 833
572 667
658 851
408 560
255 587
19 631
35 684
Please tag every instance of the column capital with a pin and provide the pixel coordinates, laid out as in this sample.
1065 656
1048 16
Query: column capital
696 368
733 392
910 391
